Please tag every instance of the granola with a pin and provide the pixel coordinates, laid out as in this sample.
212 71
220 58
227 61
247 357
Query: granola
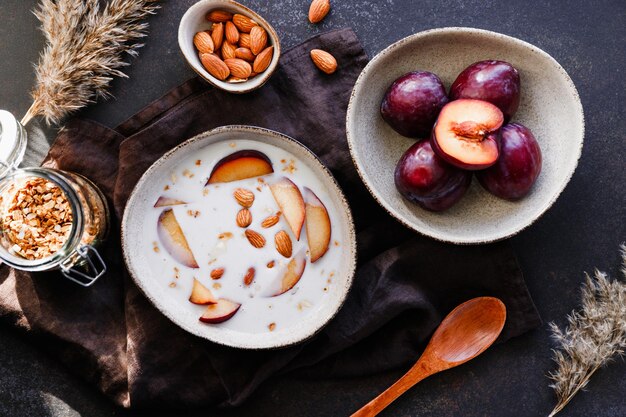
36 221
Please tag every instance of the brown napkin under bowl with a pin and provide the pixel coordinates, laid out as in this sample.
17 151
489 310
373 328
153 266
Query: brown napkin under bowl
111 335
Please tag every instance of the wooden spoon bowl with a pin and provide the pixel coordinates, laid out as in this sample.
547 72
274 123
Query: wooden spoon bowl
465 333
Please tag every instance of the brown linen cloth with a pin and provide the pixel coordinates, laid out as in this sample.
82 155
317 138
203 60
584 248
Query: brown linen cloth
405 284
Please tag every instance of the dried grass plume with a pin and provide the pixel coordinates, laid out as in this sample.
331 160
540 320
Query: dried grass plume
594 336
85 44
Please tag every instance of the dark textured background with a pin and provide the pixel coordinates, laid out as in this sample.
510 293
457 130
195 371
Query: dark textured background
582 231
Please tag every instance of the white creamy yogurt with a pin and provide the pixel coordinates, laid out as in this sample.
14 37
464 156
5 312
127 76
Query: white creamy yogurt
211 211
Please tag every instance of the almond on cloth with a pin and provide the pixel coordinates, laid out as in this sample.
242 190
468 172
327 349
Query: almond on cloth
324 61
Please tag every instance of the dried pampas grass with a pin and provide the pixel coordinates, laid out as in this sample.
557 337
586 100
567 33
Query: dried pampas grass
84 51
594 336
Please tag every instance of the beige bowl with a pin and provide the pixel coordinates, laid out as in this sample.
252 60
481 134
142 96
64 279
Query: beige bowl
183 313
194 21
549 106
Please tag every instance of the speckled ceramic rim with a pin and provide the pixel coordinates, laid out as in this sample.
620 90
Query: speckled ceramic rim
201 8
311 324
362 170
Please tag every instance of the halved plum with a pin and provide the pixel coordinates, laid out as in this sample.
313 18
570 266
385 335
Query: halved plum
219 312
241 165
518 167
173 239
497 82
427 180
466 134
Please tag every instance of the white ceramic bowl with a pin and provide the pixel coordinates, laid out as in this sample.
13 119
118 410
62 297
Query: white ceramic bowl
194 21
549 106
186 314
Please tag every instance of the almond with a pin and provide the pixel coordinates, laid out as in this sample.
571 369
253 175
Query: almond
324 61
244 40
263 59
271 326
231 32
243 23
203 42
283 243
217 16
228 51
215 66
217 33
318 10
245 54
217 273
244 217
235 80
270 221
271 264
240 69
244 197
258 39
249 277
256 239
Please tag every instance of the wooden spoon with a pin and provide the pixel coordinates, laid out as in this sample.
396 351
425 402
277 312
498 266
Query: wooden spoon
464 334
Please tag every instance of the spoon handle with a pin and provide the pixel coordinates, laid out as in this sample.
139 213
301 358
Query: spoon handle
418 372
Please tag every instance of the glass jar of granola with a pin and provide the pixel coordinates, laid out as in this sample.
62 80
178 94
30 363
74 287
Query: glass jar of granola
49 219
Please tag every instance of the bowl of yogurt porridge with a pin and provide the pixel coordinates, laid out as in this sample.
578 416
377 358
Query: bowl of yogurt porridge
241 236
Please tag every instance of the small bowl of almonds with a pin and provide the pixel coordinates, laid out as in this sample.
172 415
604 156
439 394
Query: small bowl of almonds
229 45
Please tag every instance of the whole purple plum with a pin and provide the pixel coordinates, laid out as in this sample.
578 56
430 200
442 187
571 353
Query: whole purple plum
412 103
424 178
518 166
497 82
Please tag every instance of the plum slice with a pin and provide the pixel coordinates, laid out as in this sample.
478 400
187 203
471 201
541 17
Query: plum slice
497 82
466 134
219 312
241 165
168 201
412 103
427 180
289 277
289 199
318 228
201 295
518 167
173 239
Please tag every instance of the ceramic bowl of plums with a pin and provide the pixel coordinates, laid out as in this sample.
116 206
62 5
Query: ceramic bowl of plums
465 135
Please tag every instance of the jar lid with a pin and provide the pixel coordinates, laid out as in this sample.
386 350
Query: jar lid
12 142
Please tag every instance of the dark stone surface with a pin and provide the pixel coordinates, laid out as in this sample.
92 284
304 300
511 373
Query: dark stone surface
582 231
